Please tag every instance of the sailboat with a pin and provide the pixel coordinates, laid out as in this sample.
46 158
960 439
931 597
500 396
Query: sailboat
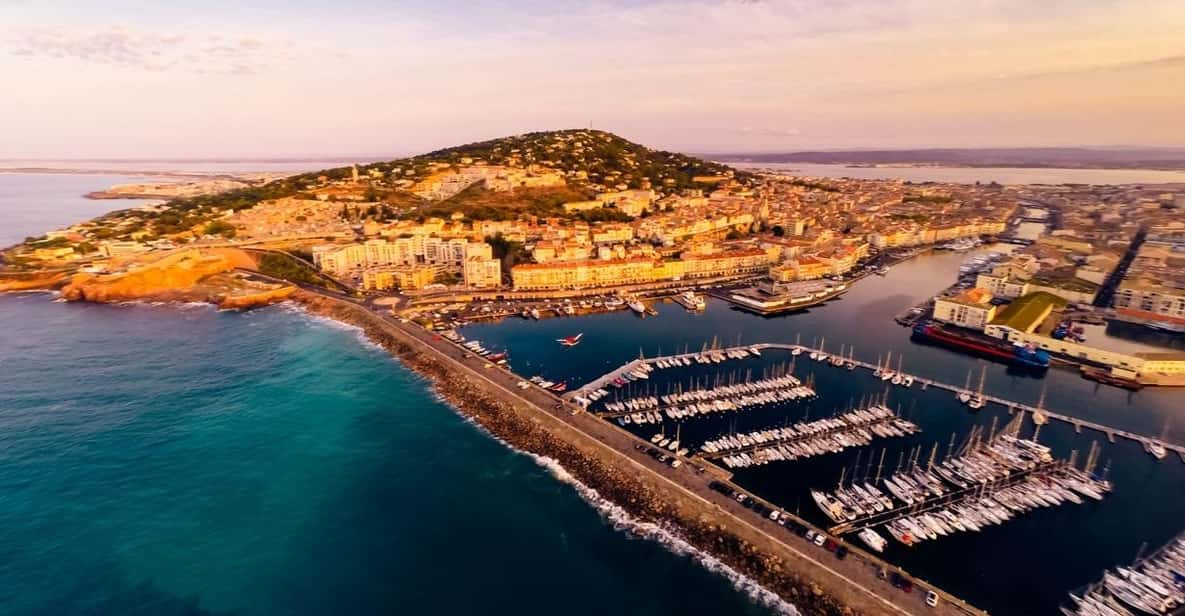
797 345
1156 448
1039 416
887 373
978 401
570 341
965 395
674 445
906 379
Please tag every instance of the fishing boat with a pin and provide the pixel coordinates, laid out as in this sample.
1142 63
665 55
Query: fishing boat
570 341
691 301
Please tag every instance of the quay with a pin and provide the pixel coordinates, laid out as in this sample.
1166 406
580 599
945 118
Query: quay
858 581
1040 415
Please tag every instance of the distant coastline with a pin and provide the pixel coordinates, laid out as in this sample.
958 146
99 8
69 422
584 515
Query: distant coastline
1150 159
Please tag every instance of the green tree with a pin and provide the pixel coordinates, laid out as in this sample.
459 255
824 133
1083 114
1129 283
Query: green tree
220 227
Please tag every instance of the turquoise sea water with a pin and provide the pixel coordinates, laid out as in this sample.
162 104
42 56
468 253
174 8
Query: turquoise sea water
163 460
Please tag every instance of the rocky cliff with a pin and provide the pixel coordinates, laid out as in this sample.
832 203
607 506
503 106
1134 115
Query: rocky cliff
31 282
171 277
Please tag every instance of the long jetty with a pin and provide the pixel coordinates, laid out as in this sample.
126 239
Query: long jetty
1112 433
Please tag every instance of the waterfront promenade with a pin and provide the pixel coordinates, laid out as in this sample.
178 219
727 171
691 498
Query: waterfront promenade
853 581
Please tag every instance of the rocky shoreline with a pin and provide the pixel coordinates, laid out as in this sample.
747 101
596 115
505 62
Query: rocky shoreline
625 489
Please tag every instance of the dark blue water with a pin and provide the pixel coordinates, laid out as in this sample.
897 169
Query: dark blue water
156 460
1024 566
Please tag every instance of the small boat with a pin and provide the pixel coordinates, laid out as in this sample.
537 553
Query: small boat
558 387
872 539
1155 449
570 341
691 301
534 312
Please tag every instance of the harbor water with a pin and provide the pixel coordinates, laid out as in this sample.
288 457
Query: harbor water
1023 566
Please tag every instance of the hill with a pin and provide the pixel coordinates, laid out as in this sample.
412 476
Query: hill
536 173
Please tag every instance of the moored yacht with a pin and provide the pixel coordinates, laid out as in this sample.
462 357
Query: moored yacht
691 301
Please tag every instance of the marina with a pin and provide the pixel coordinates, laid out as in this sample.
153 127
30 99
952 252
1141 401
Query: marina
989 482
856 428
1040 415
1153 584
1118 524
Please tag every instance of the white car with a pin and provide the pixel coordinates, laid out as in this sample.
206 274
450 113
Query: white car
932 598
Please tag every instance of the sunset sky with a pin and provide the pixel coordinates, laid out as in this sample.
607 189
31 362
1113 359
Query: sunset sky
300 78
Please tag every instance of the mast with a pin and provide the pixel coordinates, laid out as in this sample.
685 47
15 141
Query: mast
1039 417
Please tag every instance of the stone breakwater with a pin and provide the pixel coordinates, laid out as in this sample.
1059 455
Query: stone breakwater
643 497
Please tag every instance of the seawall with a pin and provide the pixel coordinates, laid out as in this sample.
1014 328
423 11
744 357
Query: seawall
812 588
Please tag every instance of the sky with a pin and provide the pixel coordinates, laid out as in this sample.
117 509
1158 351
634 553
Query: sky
302 78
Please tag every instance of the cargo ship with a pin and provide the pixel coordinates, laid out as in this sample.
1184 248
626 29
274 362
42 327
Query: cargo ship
1017 354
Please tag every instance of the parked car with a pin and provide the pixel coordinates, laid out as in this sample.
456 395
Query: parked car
931 598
